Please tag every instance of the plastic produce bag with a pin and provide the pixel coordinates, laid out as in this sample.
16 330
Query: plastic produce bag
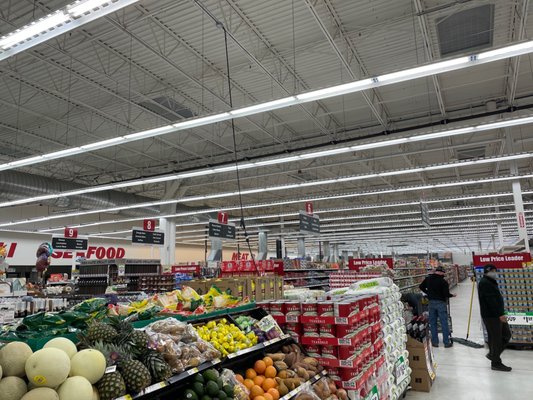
95 305
240 392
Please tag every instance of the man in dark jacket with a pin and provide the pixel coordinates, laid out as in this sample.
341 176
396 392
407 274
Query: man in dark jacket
493 314
438 292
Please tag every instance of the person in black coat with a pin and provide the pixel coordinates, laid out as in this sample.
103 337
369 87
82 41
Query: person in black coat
493 315
438 292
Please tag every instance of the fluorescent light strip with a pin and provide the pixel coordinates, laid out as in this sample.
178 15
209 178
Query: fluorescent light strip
262 205
352 87
301 185
61 21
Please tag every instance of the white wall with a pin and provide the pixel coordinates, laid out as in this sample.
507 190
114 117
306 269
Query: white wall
462 259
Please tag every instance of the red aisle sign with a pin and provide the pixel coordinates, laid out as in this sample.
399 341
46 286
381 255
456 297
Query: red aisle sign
356 264
71 233
309 207
511 260
229 266
222 217
149 225
521 220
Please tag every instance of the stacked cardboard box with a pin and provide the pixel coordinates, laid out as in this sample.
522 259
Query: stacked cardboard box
256 288
421 362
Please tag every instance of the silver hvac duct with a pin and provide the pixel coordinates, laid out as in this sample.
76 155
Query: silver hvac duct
262 246
16 185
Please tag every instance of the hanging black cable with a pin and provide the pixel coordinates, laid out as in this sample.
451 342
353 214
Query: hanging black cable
235 156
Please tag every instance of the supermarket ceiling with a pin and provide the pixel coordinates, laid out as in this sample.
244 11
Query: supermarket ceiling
155 63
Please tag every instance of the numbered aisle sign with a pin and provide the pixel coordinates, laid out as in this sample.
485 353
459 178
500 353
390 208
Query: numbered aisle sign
149 225
71 233
400 371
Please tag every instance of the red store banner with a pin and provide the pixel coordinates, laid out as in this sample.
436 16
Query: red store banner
186 269
356 264
511 260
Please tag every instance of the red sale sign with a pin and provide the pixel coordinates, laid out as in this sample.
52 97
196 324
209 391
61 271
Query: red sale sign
511 260
71 233
356 264
149 225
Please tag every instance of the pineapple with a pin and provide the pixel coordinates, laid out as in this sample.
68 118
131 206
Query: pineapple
157 366
140 339
114 354
135 374
99 331
111 386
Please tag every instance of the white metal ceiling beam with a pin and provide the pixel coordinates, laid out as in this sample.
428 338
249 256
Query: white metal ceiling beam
203 198
375 106
428 48
352 87
68 18
518 32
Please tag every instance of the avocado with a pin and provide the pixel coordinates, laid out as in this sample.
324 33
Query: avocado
210 375
222 395
229 390
206 397
199 378
190 395
211 388
198 388
220 383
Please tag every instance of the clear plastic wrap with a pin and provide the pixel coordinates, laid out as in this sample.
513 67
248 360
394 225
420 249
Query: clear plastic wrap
180 345
240 392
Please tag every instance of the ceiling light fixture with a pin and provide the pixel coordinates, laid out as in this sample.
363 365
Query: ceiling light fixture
352 87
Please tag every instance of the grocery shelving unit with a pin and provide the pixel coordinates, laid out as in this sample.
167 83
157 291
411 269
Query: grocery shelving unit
301 275
516 287
96 275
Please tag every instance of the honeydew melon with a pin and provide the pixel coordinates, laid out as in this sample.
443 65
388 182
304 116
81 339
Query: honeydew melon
62 344
75 388
48 367
89 363
13 358
41 394
12 388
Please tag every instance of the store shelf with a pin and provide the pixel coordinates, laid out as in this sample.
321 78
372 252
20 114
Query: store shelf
313 285
409 286
93 275
151 392
303 386
408 276
305 277
311 269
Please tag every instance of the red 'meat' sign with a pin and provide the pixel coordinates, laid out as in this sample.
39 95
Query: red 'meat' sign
149 224
71 233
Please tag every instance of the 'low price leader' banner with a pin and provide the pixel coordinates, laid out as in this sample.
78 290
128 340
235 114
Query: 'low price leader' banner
511 260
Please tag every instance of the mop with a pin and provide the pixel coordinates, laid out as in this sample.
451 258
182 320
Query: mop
467 342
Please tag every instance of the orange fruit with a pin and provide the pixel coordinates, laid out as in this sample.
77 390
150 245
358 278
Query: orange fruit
259 398
259 379
268 396
239 378
260 366
268 361
250 373
248 383
269 383
274 393
270 372
256 391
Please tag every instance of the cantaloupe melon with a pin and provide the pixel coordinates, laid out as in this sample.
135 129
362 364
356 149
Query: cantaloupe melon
88 363
12 388
0 371
41 394
48 367
13 358
62 344
75 388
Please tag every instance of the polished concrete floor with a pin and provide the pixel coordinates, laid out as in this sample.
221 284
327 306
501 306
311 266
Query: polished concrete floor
463 373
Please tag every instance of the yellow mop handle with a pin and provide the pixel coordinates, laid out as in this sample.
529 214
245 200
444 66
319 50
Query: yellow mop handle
470 313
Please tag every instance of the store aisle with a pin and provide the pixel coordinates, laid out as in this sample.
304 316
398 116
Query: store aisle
463 373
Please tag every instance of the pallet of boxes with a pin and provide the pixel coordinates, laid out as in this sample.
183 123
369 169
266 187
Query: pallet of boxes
421 362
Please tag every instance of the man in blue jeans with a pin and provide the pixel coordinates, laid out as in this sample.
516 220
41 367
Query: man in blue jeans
438 292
